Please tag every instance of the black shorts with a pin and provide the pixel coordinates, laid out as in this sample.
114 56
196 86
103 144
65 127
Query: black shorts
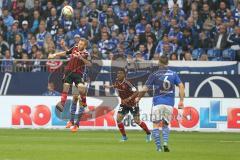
70 77
125 110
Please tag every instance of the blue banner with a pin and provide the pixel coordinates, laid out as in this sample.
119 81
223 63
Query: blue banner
195 85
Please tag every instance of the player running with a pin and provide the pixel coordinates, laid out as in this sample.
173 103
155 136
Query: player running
74 72
163 83
127 93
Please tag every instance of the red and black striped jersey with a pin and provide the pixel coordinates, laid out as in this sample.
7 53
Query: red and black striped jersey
75 64
125 90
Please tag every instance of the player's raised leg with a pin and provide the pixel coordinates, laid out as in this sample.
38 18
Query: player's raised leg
83 93
136 116
60 105
120 124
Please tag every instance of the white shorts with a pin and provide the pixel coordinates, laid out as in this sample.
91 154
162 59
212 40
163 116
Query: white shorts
162 112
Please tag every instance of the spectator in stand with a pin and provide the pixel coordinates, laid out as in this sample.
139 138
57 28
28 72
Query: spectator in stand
7 62
84 29
49 46
42 34
174 57
3 46
58 38
135 43
7 18
51 18
35 21
147 32
134 12
125 25
151 46
95 54
27 46
220 40
18 9
157 30
203 57
3 28
234 40
140 27
187 56
51 90
24 65
103 45
144 52
236 14
34 51
38 65
18 51
94 30
16 46
48 10
25 31
112 25
189 25
94 12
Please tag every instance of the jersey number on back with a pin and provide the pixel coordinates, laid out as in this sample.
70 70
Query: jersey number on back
166 83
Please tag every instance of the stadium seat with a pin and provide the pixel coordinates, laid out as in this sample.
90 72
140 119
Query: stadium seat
214 54
228 55
196 53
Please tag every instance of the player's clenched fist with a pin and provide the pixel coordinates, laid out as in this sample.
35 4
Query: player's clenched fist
51 56
180 105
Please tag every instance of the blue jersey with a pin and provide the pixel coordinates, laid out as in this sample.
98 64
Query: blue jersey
163 84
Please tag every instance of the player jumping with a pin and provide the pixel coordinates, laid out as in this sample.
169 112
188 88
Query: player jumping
127 93
74 72
163 83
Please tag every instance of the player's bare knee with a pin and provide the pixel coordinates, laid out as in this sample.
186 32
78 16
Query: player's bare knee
137 120
119 118
82 89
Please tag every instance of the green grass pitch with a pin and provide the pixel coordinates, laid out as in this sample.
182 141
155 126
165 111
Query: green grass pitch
28 144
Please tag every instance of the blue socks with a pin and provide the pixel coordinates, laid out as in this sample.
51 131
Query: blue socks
156 136
73 110
165 134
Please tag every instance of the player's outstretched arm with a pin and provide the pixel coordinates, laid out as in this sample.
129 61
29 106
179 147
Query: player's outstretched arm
141 93
108 86
61 54
181 95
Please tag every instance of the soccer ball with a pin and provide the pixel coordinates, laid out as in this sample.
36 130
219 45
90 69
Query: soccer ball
67 11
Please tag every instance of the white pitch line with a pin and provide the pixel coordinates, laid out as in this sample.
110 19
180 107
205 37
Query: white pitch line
222 141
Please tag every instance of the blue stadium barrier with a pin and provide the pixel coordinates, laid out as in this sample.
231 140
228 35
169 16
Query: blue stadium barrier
228 55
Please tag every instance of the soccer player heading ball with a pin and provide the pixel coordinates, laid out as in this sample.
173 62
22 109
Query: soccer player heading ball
74 72
163 83
127 93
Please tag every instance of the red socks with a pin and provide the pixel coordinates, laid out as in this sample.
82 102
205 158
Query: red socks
84 100
121 128
64 98
144 127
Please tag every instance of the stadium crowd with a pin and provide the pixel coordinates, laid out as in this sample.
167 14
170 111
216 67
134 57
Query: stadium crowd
135 30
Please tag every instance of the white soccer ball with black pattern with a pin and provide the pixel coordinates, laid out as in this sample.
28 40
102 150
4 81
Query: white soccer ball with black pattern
67 11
